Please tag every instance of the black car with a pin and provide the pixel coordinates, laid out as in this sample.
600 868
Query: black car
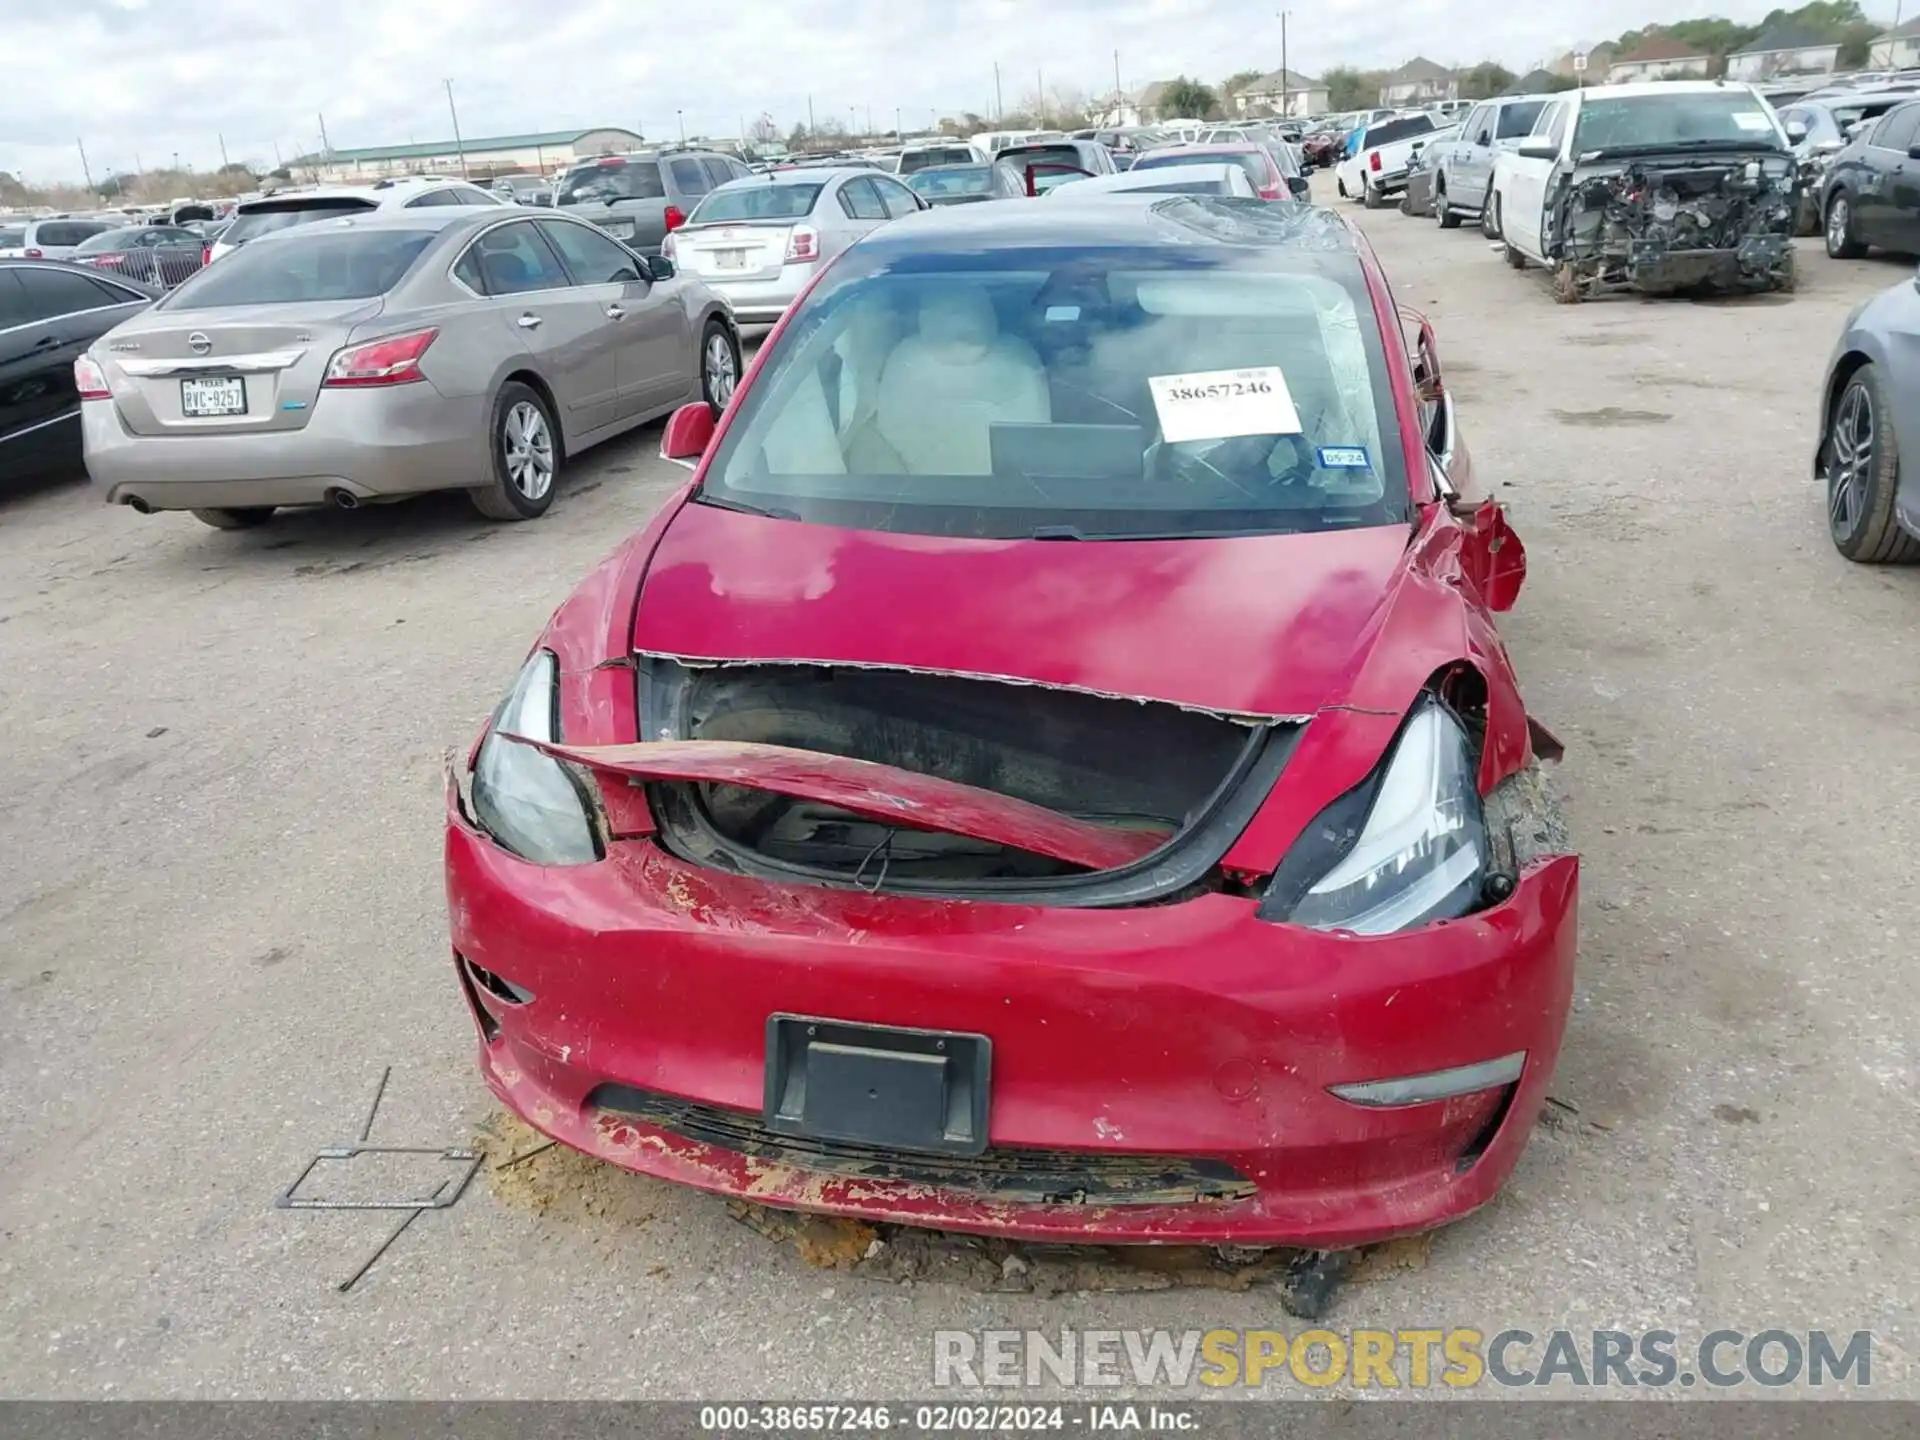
1871 195
161 255
966 184
50 312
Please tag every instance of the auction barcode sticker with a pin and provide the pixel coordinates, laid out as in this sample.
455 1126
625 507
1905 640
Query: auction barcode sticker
1221 404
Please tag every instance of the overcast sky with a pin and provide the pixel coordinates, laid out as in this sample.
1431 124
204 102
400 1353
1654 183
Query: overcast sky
160 77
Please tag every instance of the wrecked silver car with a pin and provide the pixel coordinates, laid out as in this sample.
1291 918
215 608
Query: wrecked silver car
1655 188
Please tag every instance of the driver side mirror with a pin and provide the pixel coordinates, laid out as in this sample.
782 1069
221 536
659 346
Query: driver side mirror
1796 131
1539 150
1299 186
689 431
659 268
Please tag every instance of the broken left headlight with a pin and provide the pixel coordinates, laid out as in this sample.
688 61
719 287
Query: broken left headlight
1407 847
525 800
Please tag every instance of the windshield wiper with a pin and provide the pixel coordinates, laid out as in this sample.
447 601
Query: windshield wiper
1074 532
771 512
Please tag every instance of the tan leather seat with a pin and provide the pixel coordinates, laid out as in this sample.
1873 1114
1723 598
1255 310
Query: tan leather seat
947 383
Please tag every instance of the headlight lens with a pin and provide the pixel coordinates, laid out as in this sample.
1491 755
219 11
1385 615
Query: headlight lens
523 799
1421 854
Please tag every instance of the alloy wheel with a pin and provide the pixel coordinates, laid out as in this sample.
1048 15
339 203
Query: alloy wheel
1849 466
1837 218
529 450
722 371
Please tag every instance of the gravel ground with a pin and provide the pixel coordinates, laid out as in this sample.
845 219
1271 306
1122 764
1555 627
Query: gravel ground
221 917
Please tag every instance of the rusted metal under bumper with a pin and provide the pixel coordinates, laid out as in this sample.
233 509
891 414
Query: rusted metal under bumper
1183 1032
1653 267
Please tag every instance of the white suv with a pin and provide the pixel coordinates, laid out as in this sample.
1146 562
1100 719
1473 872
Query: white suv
287 208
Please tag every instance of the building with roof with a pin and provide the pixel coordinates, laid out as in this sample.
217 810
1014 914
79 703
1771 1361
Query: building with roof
1782 50
485 158
1419 82
1898 48
1136 107
1659 57
1281 92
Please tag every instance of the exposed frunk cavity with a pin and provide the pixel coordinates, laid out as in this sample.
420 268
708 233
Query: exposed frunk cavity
1146 767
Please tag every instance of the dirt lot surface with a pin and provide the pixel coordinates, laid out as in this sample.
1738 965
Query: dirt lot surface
221 918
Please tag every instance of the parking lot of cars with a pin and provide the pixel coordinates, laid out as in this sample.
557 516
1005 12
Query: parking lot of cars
229 760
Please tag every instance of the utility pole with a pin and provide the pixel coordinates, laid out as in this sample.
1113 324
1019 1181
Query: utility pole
681 116
459 146
223 152
811 132
898 132
326 145
1286 77
869 119
999 110
1040 88
278 163
1117 102
85 168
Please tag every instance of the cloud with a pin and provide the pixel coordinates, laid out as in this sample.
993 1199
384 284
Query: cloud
155 78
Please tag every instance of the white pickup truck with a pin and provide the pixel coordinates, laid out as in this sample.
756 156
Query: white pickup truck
1659 187
1378 166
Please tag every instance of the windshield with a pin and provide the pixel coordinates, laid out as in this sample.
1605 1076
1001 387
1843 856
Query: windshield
1701 116
1256 163
339 265
1393 130
938 184
252 223
606 181
912 160
1076 393
755 201
1516 120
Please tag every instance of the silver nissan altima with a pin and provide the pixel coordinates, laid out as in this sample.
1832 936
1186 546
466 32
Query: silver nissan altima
362 359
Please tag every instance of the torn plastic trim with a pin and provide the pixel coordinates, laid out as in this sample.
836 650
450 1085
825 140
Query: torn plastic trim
707 662
867 788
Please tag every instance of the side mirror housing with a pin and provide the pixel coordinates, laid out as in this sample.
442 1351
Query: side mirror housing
689 431
1485 137
1796 131
1538 150
1913 152
1298 185
659 268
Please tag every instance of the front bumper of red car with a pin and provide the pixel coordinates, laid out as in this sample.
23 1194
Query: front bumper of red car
1159 1074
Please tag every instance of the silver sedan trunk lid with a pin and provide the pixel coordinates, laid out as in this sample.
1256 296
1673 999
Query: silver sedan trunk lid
227 371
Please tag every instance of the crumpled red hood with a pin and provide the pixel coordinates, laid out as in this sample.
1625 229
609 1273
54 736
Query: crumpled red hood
1262 626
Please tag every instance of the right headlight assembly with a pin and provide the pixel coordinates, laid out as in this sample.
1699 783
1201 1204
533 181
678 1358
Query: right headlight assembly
525 800
1406 847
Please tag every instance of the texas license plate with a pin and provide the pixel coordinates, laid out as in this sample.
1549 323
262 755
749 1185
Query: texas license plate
730 259
215 396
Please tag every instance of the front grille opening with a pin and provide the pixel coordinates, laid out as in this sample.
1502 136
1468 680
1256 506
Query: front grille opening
1144 767
497 986
489 1027
1484 1137
1007 1175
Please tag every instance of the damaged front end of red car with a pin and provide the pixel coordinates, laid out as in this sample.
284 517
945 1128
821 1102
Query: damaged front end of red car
1024 955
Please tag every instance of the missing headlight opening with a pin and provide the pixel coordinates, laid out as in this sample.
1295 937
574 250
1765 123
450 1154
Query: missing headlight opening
1181 784
1674 224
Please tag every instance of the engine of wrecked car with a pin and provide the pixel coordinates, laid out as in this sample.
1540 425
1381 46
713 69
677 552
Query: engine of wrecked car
1612 212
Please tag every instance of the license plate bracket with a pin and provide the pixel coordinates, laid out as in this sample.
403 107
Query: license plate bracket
892 1087
212 396
731 259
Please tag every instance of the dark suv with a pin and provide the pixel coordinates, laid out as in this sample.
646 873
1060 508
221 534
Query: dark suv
638 198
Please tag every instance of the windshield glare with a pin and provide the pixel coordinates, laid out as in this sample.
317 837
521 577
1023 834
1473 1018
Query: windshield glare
345 265
604 182
1088 394
252 224
756 201
1647 120
936 183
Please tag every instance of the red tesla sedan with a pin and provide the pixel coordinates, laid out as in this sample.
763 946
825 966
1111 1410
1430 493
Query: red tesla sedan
1052 771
